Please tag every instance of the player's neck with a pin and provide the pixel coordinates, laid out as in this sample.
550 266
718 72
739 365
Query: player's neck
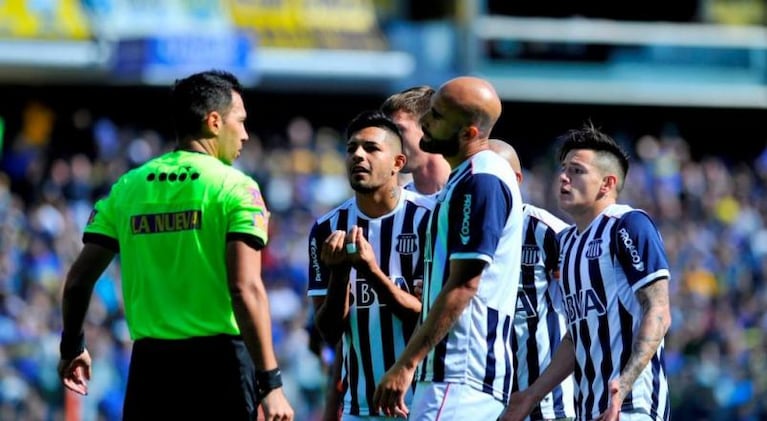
584 219
431 177
379 202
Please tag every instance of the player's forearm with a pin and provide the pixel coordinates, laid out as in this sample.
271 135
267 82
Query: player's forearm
562 365
656 319
402 303
447 308
331 315
251 309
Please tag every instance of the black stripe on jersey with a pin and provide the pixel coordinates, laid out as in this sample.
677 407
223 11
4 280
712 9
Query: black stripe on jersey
627 323
598 283
582 328
387 337
507 331
385 313
343 219
655 363
555 338
660 363
354 378
366 360
515 365
492 325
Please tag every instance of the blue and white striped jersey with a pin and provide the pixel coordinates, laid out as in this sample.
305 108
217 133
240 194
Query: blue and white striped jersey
478 216
539 320
602 268
374 336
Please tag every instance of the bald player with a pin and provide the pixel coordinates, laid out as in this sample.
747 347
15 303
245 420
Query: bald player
539 319
460 356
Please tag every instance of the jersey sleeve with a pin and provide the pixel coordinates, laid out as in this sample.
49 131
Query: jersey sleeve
319 274
480 207
247 217
101 227
639 249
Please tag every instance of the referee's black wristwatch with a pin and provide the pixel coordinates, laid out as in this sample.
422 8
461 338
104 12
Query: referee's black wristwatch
268 380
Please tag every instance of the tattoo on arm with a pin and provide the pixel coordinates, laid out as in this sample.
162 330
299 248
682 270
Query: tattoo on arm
656 319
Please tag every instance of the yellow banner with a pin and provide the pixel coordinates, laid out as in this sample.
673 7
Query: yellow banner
47 19
340 24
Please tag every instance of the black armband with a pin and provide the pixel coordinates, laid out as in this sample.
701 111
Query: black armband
266 381
71 345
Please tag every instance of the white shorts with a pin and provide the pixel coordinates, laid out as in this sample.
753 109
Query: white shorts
452 401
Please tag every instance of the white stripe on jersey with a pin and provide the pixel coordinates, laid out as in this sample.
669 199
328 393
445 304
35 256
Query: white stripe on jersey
477 350
602 268
539 321
375 336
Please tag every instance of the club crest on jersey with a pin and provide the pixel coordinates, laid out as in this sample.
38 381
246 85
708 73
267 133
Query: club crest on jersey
529 254
594 249
407 243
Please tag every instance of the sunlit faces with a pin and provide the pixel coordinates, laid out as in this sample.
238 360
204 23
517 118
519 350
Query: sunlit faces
410 128
441 133
232 133
372 160
580 181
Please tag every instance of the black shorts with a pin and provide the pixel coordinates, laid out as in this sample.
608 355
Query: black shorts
198 378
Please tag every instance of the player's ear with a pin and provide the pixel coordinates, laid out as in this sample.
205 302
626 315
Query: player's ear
470 132
399 162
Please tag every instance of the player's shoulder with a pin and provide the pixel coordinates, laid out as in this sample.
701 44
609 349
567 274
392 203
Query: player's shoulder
545 217
418 199
485 166
346 205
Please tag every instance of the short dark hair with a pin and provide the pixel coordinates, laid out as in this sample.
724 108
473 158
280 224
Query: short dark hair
372 118
589 137
415 100
197 95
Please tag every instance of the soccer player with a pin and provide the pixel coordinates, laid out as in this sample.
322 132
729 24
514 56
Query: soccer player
539 320
615 278
463 347
365 257
429 171
189 229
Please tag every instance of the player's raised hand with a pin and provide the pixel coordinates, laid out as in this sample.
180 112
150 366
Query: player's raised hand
363 258
333 251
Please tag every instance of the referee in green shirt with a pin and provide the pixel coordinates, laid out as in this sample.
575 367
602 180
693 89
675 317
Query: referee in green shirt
189 229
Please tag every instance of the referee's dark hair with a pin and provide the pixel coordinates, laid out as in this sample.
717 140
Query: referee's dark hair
372 118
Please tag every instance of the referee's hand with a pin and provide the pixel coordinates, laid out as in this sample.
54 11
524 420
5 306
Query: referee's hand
76 372
276 406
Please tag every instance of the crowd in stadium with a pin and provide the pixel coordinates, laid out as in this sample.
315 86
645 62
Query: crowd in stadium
712 214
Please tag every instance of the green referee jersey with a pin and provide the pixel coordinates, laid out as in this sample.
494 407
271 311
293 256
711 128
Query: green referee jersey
169 220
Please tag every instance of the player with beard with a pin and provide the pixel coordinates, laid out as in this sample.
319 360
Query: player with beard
364 257
462 349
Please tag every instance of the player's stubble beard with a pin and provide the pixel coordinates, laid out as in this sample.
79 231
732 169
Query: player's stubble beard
448 147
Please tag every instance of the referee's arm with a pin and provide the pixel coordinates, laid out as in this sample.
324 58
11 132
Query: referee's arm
250 302
74 365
